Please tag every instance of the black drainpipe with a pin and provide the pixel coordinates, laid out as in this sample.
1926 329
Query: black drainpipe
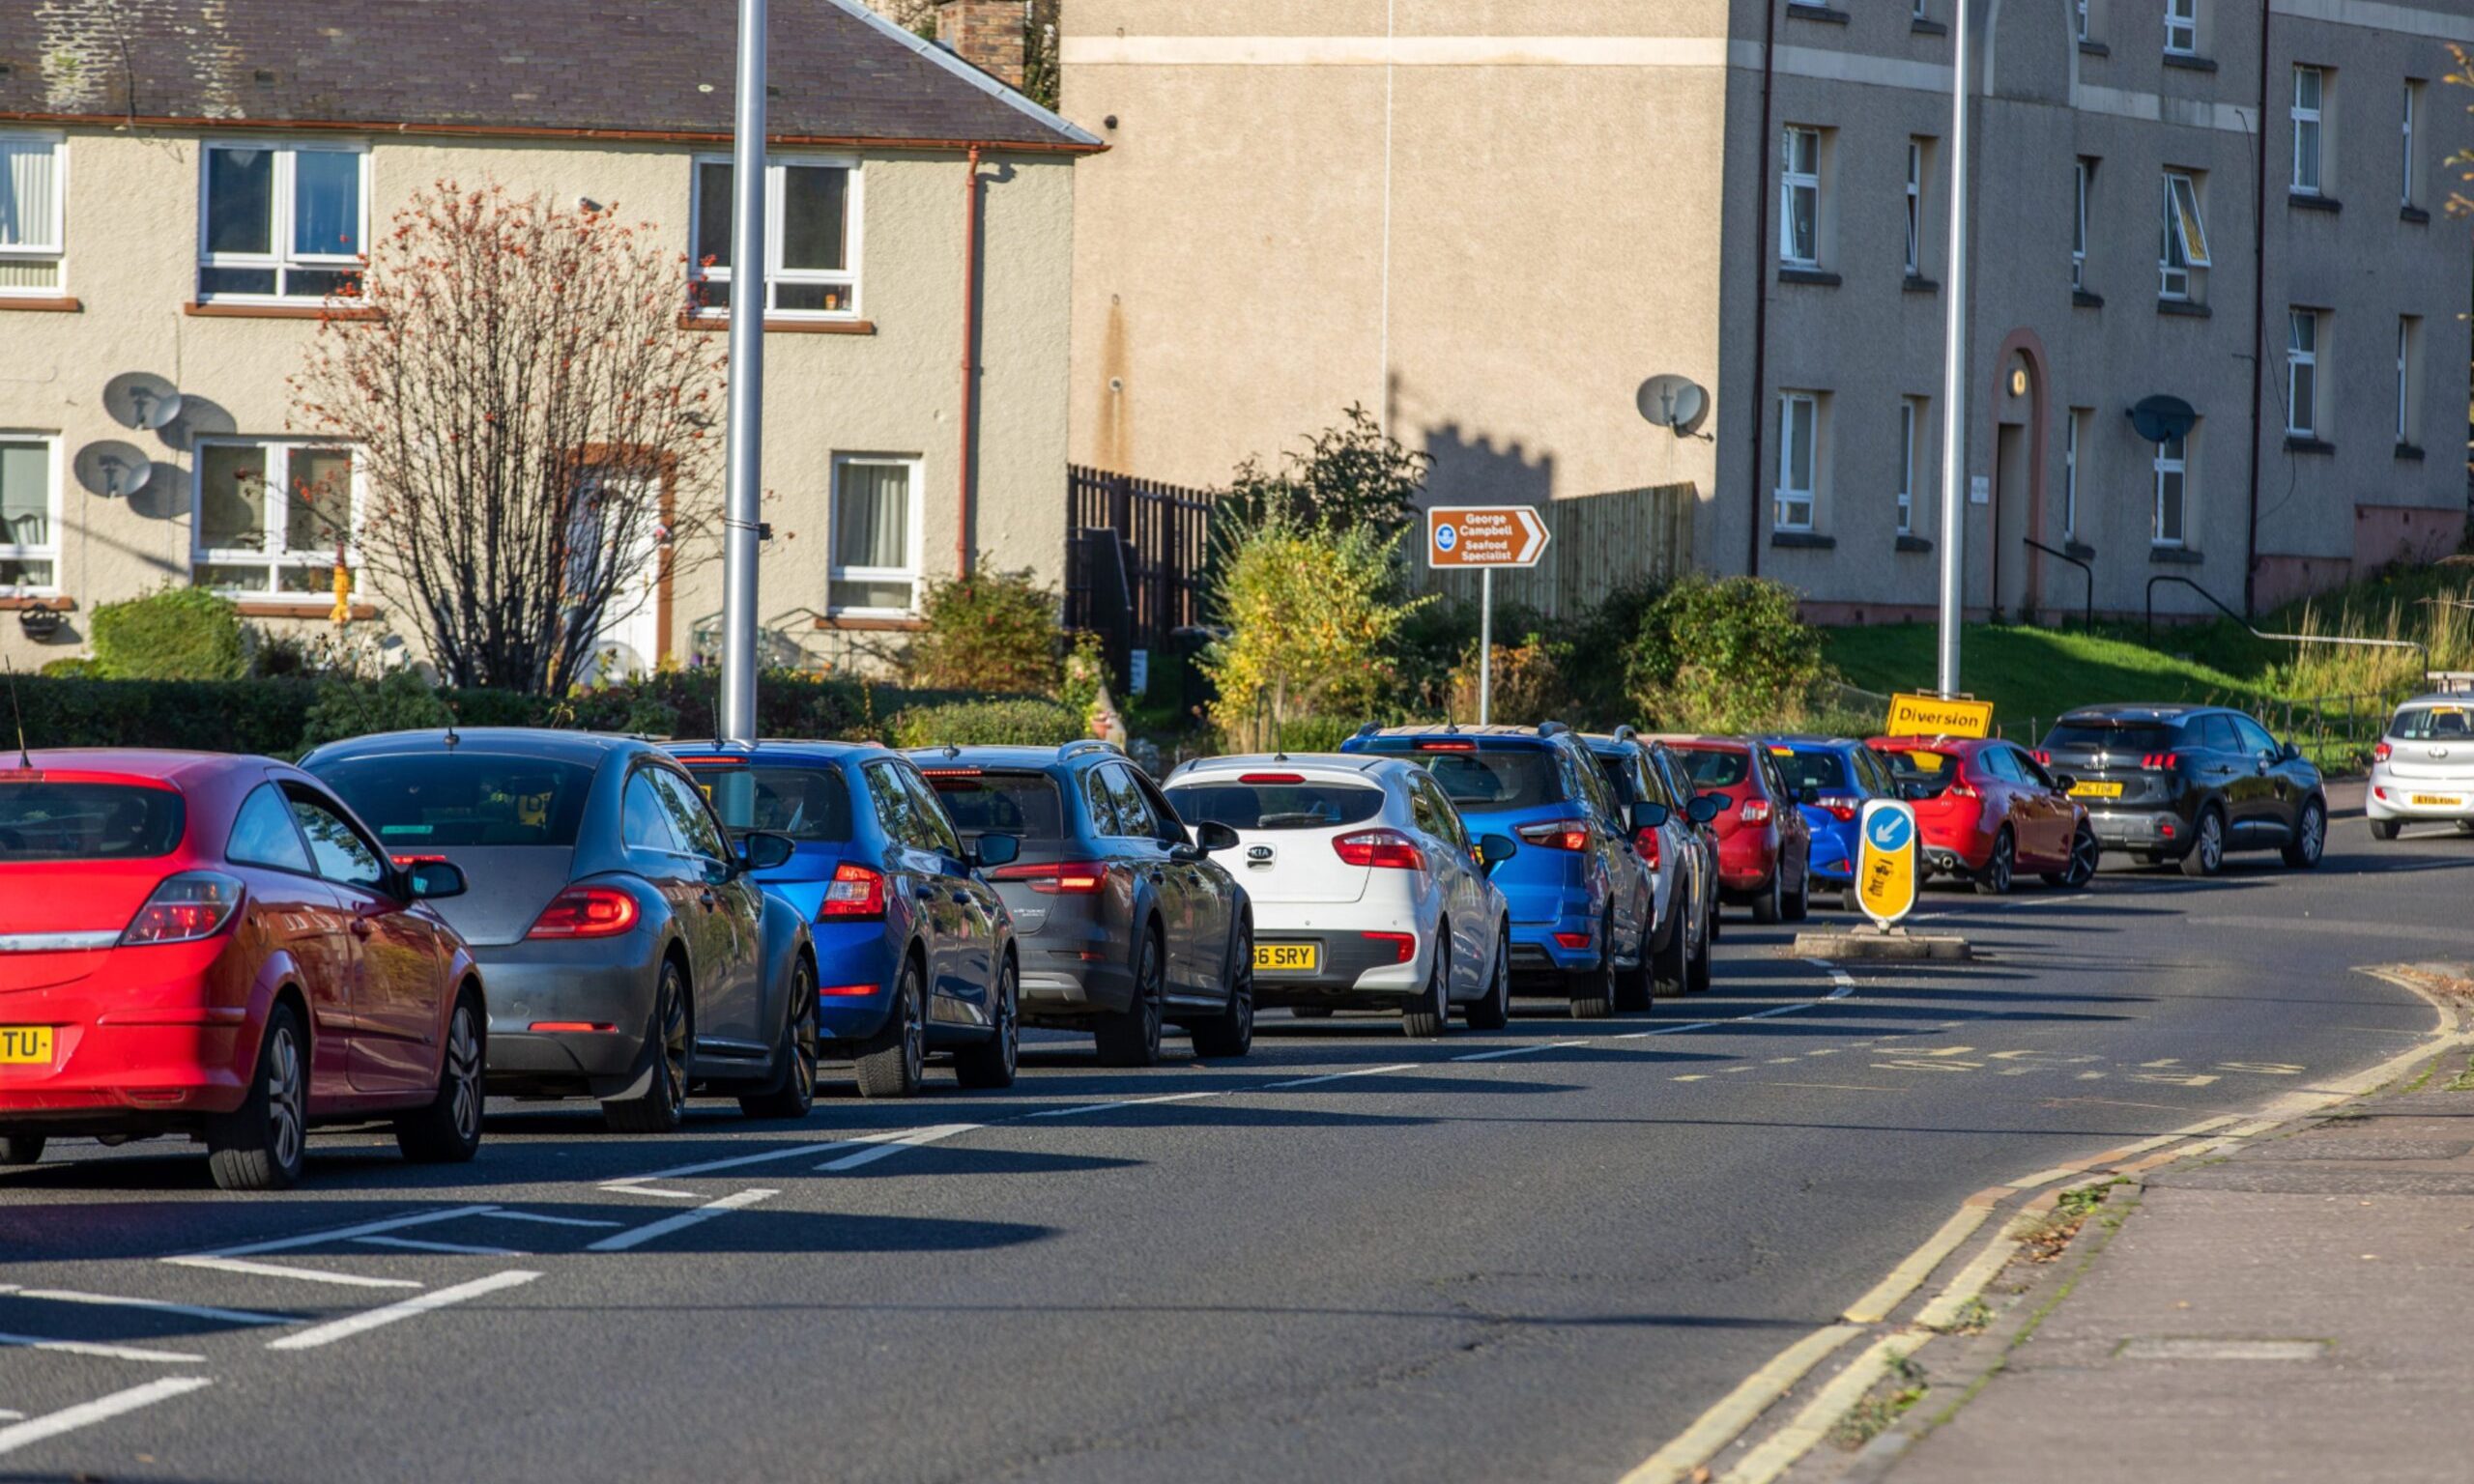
2259 326
1761 289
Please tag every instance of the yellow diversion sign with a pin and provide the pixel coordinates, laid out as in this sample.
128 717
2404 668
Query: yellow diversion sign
1930 716
1887 866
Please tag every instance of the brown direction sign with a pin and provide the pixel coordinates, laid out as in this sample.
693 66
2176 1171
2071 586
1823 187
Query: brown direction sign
1484 537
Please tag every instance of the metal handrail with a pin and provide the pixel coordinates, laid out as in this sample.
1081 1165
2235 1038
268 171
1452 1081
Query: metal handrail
2415 644
2081 567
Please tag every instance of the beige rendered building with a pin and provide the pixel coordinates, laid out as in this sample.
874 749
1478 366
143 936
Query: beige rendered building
1495 219
180 184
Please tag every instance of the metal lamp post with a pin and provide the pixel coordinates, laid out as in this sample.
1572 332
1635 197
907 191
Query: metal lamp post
1954 360
735 717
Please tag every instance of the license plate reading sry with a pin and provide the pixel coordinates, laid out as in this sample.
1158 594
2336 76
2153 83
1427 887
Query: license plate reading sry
2096 791
22 1044
1287 958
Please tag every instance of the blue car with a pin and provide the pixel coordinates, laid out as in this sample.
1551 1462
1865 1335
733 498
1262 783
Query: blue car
1831 779
1582 908
914 950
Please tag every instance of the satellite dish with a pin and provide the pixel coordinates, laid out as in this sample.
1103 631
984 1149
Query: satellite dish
2161 419
114 471
141 399
1672 402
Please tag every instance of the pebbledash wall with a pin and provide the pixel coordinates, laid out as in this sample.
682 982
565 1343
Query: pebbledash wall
887 387
1494 220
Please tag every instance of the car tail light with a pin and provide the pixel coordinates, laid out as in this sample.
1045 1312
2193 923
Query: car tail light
408 862
1754 811
1556 834
2043 755
2165 761
847 992
192 905
1403 945
1440 745
1271 778
1073 878
950 772
586 912
574 1027
2381 751
1647 842
1840 808
1384 849
855 892
1960 789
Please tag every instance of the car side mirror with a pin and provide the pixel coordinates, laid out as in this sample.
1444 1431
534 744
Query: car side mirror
1495 849
990 851
1212 836
2063 783
1650 815
2287 753
1703 809
764 850
434 881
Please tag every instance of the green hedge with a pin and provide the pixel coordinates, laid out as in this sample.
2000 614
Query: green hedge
1021 722
267 715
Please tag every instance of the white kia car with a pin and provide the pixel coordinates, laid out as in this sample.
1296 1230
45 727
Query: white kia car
1369 891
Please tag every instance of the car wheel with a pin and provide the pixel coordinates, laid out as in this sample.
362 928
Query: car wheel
1431 1013
1675 964
1231 1032
1995 879
2208 845
1594 990
263 1144
1696 970
1770 906
792 1094
1131 1037
1492 1011
21 1148
1799 906
2383 829
448 1131
1634 986
2310 836
992 1063
893 1062
662 1106
2084 855
1717 918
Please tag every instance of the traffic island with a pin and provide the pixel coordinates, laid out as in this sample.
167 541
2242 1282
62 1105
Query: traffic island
1895 945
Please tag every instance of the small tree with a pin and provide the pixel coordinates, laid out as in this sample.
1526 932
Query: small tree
532 424
992 631
1310 614
1727 655
1353 473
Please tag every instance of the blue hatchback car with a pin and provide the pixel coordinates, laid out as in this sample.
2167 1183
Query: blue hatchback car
914 950
1831 779
1581 900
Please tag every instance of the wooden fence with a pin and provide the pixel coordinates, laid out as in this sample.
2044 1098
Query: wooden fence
1599 543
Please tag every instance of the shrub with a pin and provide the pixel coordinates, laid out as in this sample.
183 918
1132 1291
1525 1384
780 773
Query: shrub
1725 655
1353 473
1527 686
227 716
1315 733
175 634
400 701
1025 721
993 631
1084 673
1311 614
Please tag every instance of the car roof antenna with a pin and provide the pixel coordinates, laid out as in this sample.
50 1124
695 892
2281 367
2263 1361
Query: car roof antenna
451 737
25 759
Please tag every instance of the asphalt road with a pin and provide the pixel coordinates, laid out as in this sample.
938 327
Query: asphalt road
1529 1255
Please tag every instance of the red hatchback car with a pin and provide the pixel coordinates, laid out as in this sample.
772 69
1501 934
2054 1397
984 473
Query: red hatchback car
1765 846
1986 809
213 945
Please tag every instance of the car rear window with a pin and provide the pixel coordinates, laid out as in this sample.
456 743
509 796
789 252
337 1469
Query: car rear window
2140 737
806 804
1490 779
1804 768
1024 803
1283 806
2432 724
1714 767
460 798
80 821
1916 763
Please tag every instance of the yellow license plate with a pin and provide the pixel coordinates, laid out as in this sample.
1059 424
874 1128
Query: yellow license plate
1288 957
2438 800
2093 791
22 1044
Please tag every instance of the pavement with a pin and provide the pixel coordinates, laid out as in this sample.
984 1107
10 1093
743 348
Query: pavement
1543 1253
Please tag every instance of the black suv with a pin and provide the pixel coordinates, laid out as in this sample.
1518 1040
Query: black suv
2188 783
1124 920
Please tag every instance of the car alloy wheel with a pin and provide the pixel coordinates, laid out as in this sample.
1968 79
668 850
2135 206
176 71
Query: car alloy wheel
992 1063
793 1091
1431 1011
287 1120
1994 881
2207 850
1131 1037
2084 853
261 1145
1492 1011
663 1105
893 1061
1231 1032
2310 837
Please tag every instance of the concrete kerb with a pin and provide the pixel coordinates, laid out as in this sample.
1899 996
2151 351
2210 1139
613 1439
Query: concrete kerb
1894 946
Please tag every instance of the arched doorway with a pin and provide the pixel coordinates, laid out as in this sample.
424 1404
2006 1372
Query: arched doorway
2021 428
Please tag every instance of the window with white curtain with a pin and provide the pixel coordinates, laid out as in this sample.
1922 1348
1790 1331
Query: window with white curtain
33 215
874 537
281 221
29 513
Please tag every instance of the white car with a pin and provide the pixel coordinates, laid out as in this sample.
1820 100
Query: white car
2423 766
1369 891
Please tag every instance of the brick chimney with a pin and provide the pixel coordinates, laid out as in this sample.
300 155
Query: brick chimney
986 34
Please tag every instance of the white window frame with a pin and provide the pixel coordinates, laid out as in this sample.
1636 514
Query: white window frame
1907 430
2302 373
2413 111
915 534
275 555
2409 335
281 259
2071 473
1786 495
54 249
2174 280
2079 173
2180 469
2080 7
2309 132
2181 28
854 196
1792 180
50 551
1915 207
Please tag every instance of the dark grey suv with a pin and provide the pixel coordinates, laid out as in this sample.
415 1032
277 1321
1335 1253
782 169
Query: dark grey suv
1124 920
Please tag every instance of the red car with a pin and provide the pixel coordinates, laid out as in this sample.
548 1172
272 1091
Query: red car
1765 846
1987 811
215 946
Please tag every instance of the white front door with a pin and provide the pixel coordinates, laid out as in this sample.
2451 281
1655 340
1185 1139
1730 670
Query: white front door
628 641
